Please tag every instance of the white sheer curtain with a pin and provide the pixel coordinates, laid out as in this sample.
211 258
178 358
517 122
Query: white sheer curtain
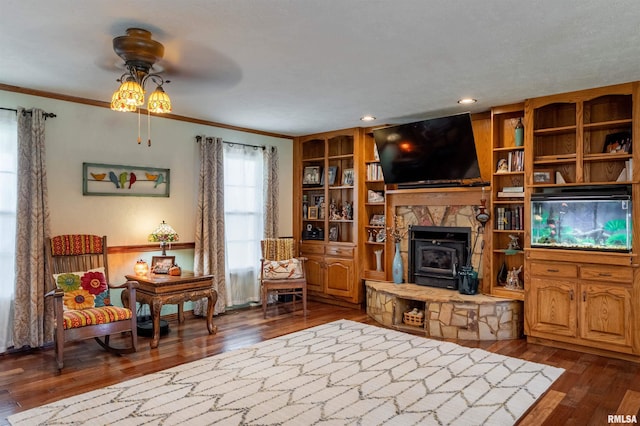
8 191
244 213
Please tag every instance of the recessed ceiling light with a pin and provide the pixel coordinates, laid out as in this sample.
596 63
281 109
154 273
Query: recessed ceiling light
367 118
467 101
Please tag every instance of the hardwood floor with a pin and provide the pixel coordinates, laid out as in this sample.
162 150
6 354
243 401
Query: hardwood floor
591 388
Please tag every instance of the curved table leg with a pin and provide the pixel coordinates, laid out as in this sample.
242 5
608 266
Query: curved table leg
212 298
156 307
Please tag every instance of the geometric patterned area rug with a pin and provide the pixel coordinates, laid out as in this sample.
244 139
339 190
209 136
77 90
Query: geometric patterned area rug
340 373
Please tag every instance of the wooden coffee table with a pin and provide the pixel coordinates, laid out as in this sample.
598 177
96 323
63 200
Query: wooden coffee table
159 289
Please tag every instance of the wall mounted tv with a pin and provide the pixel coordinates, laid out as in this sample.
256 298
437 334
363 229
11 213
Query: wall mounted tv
435 152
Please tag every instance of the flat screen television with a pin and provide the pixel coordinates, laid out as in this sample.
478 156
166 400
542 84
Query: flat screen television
435 152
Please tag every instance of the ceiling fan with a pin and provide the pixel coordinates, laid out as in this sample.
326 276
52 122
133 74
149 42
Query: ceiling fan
138 49
139 52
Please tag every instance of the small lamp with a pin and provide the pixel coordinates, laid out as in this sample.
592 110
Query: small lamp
164 234
141 268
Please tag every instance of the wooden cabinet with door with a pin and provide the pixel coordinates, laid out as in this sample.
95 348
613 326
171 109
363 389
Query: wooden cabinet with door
580 142
327 170
551 300
585 304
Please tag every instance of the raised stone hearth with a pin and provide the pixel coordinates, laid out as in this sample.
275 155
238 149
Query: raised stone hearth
447 313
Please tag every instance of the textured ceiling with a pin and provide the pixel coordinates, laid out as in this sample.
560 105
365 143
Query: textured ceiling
303 66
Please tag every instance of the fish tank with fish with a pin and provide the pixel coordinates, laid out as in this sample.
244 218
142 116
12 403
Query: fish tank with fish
585 220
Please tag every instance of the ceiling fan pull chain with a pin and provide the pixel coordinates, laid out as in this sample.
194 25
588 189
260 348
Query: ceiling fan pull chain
149 127
139 139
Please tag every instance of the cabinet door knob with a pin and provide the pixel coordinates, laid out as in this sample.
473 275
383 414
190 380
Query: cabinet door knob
584 296
570 294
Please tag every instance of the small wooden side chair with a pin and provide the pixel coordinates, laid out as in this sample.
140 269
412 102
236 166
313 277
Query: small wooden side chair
81 296
282 273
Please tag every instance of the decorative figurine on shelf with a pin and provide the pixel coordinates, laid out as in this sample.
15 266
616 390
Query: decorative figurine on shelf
372 235
514 243
503 166
513 279
333 211
348 210
305 207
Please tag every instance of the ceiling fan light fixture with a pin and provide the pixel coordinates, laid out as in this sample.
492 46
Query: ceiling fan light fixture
159 101
139 53
119 104
131 92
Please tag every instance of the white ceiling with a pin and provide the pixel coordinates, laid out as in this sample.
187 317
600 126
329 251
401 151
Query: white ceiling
303 66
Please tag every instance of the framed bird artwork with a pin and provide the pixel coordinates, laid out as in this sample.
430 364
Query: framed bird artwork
119 180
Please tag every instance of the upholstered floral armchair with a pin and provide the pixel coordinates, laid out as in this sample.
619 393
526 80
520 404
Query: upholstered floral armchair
81 294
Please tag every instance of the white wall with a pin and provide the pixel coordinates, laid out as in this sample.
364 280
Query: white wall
82 133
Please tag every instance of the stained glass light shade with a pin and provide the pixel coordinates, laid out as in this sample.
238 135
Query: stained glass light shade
131 92
119 104
164 234
159 101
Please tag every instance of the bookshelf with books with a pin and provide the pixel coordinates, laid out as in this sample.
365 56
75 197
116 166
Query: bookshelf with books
328 168
373 223
508 200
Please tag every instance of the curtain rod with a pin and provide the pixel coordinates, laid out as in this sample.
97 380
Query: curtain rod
199 138
46 114
245 144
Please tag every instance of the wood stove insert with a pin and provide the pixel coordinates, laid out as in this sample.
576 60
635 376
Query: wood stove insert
436 254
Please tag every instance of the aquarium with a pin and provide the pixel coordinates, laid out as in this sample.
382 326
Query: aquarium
581 221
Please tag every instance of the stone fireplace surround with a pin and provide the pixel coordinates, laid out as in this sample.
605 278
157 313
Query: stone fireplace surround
451 207
447 313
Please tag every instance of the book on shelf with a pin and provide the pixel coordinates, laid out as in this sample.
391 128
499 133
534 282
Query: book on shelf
374 171
510 219
515 161
500 218
506 194
513 189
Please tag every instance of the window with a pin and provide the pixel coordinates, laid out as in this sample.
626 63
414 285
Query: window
244 214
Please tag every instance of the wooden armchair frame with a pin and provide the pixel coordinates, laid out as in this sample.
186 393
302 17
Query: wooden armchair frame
68 263
296 287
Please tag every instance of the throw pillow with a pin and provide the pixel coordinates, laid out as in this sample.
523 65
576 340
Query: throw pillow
85 289
282 269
